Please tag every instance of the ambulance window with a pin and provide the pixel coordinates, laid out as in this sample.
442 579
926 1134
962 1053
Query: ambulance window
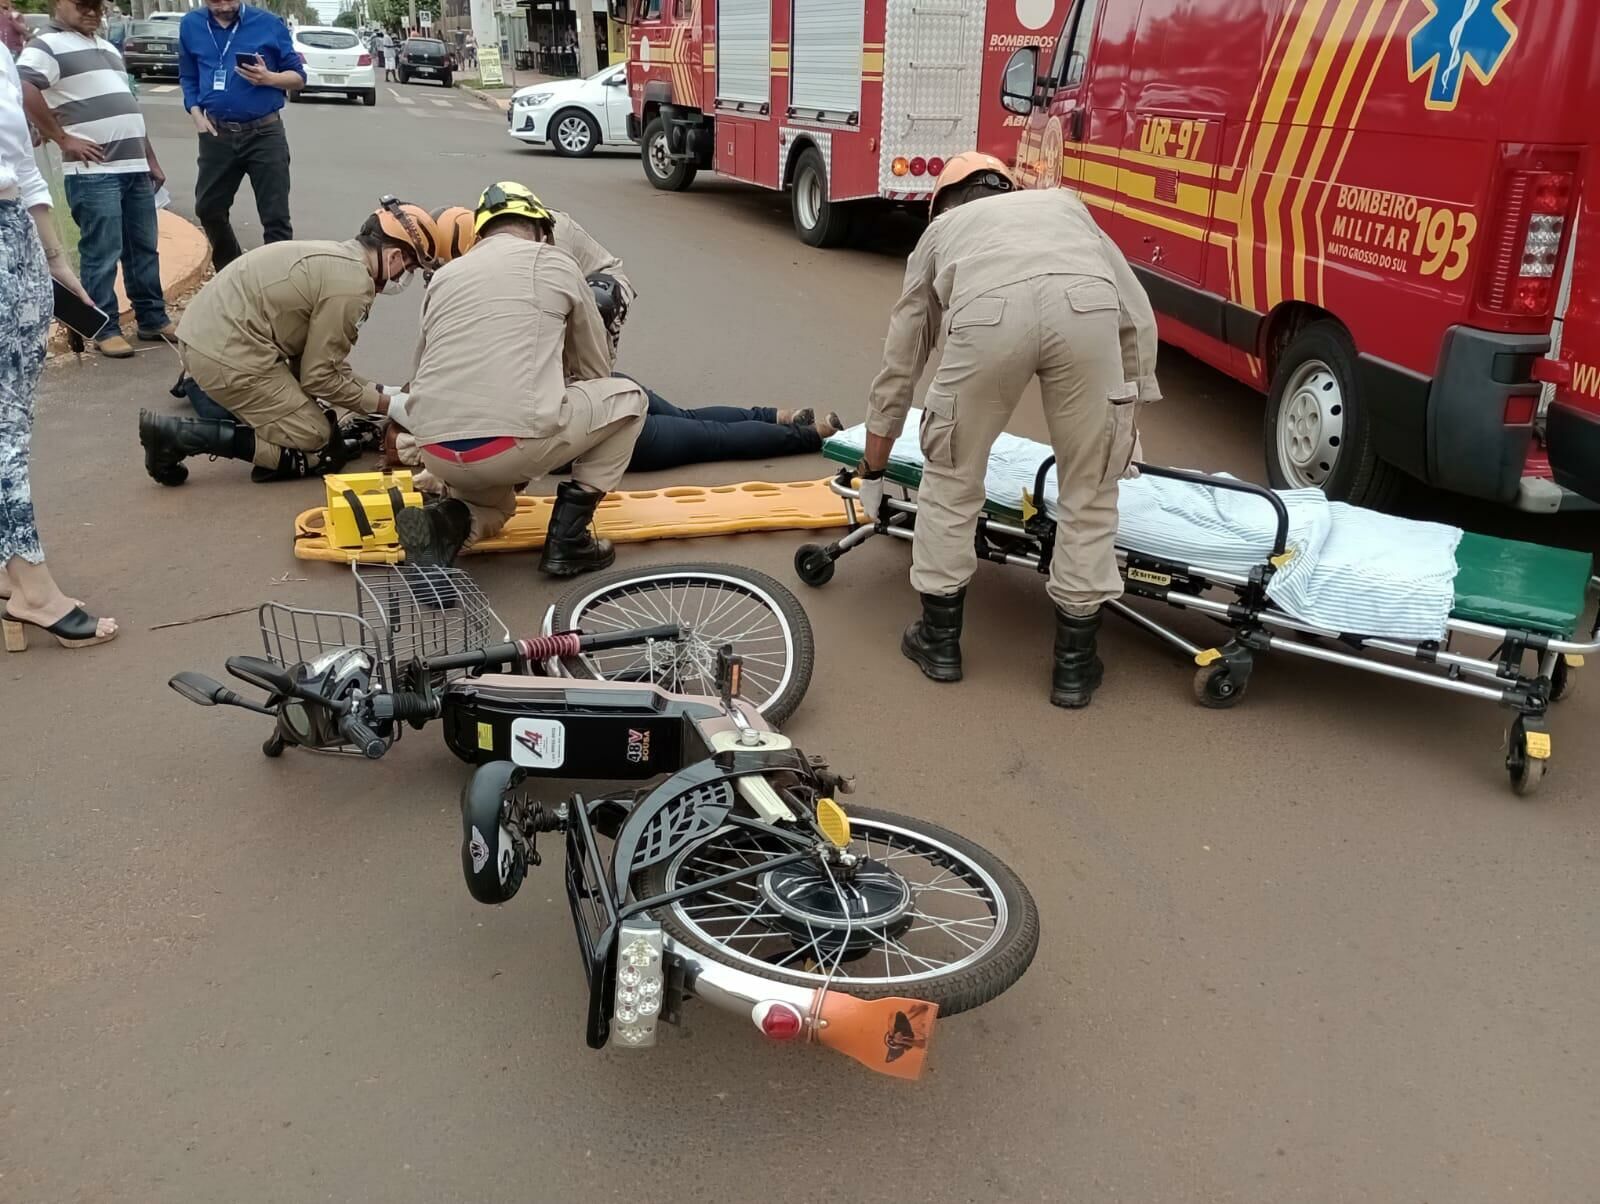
649 10
1072 51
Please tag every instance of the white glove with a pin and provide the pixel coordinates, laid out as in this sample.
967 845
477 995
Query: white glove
871 491
397 409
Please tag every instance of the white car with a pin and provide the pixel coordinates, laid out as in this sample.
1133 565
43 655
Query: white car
574 115
336 61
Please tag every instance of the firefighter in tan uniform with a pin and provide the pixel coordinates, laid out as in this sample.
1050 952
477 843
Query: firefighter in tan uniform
269 337
513 381
1019 284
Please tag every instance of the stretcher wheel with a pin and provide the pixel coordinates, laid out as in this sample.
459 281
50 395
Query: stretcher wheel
1216 687
813 565
1561 680
1527 773
273 747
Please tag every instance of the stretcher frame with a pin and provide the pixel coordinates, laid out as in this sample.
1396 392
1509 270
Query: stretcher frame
1255 624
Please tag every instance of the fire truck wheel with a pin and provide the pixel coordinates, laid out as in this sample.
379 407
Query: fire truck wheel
818 221
1318 433
660 168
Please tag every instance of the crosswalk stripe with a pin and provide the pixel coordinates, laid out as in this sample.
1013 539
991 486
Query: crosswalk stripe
164 88
443 104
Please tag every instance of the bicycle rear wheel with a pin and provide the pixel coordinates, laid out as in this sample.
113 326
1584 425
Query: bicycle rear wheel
716 604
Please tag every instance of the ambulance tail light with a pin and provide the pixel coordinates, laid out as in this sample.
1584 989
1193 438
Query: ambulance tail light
1528 238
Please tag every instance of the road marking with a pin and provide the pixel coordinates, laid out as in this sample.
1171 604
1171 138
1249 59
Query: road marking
443 104
400 100
163 88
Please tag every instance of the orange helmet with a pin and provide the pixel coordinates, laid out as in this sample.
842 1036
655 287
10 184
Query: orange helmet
966 166
456 236
409 226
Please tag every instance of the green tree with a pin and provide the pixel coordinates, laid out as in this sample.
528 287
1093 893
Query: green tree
349 19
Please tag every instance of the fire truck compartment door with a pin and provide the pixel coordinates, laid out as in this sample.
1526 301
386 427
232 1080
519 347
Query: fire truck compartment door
744 51
825 57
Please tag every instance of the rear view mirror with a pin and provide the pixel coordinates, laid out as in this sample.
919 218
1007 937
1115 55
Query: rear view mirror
262 674
198 688
1019 85
618 10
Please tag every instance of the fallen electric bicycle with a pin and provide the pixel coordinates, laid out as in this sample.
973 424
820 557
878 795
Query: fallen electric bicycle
732 875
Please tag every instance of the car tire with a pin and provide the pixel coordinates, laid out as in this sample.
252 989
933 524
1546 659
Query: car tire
1319 433
369 97
663 172
448 80
574 133
294 98
818 221
402 77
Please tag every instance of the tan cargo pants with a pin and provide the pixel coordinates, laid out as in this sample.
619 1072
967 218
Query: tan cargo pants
1064 330
273 405
598 439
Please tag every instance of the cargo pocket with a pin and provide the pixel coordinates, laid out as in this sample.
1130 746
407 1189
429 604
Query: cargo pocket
1089 296
939 427
980 311
1122 438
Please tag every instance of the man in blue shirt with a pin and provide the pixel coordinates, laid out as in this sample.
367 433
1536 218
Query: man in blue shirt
236 63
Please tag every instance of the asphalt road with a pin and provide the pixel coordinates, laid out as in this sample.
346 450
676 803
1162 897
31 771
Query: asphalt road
1310 949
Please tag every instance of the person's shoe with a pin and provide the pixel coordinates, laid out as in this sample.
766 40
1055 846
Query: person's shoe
165 334
570 547
292 465
1077 671
805 417
114 347
830 425
933 642
436 533
167 442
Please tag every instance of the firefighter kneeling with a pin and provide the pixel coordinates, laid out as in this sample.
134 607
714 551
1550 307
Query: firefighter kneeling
270 337
1022 284
504 330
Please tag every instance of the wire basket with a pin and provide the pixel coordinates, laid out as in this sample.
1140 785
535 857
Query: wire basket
404 613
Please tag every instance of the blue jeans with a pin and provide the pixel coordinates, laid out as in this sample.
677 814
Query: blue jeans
116 216
672 437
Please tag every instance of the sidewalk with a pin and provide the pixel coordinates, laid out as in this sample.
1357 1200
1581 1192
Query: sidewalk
185 259
500 97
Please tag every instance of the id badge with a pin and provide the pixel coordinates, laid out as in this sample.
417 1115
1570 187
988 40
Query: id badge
219 80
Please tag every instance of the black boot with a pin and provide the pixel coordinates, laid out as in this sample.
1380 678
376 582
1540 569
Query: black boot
934 641
434 534
1077 670
168 442
570 547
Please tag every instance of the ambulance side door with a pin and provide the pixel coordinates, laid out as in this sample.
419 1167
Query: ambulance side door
1050 152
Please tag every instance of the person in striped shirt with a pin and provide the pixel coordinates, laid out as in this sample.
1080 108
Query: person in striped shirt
76 91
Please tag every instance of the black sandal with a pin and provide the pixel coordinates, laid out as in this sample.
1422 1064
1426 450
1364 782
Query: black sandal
75 629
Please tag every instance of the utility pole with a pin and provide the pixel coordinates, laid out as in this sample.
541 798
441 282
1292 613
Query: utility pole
588 60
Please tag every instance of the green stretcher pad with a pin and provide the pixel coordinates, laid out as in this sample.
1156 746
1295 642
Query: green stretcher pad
1502 582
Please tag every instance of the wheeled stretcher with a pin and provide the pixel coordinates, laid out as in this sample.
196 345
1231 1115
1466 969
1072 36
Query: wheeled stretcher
1286 572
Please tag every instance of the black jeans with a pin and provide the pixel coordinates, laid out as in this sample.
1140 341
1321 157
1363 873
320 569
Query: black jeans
672 437
260 152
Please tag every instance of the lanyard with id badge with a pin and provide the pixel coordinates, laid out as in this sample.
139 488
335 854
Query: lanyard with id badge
219 77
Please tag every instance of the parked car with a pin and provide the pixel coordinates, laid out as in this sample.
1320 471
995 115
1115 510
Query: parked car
151 49
426 58
573 115
336 62
173 17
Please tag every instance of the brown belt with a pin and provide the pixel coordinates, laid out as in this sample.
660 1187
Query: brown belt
239 127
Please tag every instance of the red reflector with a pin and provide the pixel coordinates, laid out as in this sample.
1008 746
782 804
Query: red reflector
1531 297
1520 410
781 1022
936 166
919 166
1551 192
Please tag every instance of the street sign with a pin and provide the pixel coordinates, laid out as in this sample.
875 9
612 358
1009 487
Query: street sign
509 8
489 73
425 19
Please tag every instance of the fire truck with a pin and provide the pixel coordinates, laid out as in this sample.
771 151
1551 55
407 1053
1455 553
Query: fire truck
837 101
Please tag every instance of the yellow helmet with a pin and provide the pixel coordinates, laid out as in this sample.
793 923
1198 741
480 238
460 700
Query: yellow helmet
966 166
456 231
508 197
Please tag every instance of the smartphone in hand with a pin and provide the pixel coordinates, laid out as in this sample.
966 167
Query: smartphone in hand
248 60
76 314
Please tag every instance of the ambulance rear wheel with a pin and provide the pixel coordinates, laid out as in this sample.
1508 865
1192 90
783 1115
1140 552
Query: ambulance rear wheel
818 221
1319 434
660 168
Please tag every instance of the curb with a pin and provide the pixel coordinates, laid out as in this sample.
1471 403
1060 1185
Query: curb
185 259
499 102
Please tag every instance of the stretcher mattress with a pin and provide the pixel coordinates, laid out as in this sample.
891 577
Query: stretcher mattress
1353 571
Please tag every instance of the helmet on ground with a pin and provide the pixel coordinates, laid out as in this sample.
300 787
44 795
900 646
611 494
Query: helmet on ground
406 225
508 197
456 232
971 167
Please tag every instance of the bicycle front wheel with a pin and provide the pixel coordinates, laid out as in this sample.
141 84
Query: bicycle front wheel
716 605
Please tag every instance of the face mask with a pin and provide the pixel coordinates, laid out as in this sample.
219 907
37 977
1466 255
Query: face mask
398 284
